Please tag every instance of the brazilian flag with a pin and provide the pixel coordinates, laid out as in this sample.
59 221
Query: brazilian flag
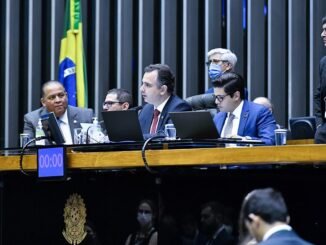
72 68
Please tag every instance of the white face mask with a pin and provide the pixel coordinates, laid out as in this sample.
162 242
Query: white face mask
144 218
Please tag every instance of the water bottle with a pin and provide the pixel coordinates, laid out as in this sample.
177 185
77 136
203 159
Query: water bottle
39 133
95 133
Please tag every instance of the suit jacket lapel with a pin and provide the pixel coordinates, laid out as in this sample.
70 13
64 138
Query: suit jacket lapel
73 120
243 118
221 122
164 114
148 119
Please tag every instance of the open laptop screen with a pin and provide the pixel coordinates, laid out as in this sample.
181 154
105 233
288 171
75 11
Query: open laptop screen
194 125
122 125
51 128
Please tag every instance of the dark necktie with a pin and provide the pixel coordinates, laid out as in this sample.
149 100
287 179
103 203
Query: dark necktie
155 121
229 126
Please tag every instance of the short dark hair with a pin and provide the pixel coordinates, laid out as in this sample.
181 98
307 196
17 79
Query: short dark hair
265 203
231 82
51 82
217 208
123 95
323 21
165 75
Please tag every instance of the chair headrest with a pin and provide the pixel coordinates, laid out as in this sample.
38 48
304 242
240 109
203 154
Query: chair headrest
202 101
303 127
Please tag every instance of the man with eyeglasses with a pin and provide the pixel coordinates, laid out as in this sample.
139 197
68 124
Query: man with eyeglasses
238 117
220 60
157 90
54 99
117 99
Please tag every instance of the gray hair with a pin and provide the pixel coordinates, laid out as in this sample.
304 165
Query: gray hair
225 54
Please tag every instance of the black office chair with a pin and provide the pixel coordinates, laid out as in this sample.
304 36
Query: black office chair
302 127
203 102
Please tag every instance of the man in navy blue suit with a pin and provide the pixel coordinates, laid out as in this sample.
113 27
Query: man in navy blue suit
157 90
238 117
264 214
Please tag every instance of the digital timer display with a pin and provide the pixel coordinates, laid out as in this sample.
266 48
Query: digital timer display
51 162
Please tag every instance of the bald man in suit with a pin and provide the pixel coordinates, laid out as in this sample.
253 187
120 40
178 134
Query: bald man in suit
54 99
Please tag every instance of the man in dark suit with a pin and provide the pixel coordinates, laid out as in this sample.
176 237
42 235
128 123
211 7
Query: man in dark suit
264 214
214 231
238 117
157 90
320 95
117 99
54 99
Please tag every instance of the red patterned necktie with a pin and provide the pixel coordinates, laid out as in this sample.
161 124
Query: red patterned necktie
155 121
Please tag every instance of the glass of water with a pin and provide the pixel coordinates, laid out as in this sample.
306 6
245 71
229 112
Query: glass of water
170 132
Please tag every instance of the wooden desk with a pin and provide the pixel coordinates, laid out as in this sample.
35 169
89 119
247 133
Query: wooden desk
289 154
300 142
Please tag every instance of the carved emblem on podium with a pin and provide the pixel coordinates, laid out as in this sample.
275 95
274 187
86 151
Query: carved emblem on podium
75 219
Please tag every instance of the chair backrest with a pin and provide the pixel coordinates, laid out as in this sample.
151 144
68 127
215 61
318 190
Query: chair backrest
203 102
302 127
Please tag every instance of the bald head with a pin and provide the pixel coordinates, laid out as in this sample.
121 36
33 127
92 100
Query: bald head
265 102
54 98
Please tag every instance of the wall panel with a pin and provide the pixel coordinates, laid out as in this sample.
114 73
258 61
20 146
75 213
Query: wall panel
297 58
213 31
277 59
256 47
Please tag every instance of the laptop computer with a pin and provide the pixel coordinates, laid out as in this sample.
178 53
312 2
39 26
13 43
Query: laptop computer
199 125
194 125
122 125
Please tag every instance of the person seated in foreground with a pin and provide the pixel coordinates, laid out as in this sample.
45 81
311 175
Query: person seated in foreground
55 99
157 90
238 117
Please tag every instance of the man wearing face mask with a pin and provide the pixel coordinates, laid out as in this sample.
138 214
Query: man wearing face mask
220 60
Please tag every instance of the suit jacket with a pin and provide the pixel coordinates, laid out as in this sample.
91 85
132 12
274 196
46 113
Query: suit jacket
256 121
173 104
284 237
75 115
320 93
223 238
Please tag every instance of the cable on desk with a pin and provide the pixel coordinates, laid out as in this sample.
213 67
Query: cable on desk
143 152
23 150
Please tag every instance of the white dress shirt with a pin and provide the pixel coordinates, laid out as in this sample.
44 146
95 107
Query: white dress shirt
65 128
236 120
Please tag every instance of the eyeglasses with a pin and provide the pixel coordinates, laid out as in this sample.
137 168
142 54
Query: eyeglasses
53 96
220 98
215 61
110 103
